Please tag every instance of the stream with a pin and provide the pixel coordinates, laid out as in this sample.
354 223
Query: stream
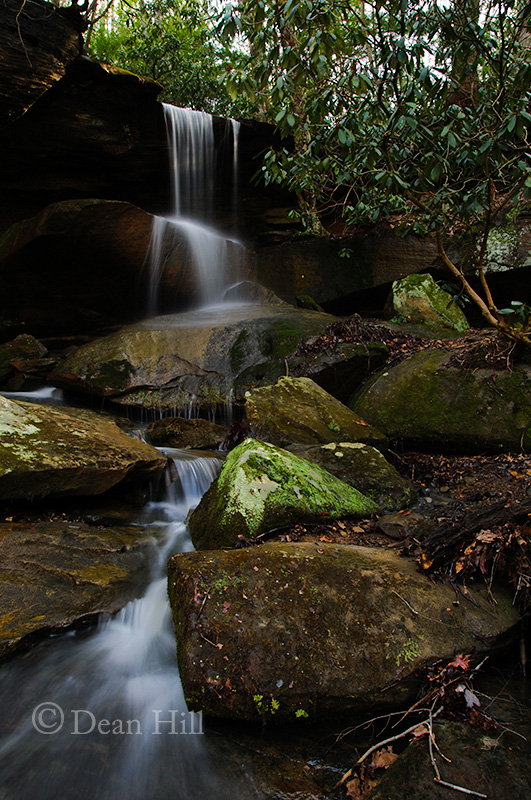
102 713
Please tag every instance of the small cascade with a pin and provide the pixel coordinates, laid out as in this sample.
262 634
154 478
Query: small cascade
214 260
122 730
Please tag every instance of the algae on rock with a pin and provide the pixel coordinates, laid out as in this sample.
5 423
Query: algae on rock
364 468
426 402
418 299
261 487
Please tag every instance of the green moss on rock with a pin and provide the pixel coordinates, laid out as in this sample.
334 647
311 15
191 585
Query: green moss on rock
261 487
424 402
418 299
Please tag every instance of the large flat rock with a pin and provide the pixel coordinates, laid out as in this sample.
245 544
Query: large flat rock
313 629
203 355
53 574
55 451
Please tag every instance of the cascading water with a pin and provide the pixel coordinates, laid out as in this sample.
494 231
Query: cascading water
215 260
103 715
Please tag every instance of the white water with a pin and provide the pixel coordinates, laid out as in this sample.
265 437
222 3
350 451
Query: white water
214 261
123 678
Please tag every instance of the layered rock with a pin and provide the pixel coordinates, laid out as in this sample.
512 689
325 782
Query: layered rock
52 451
364 468
53 574
72 266
200 356
261 487
37 43
298 411
427 402
315 630
195 434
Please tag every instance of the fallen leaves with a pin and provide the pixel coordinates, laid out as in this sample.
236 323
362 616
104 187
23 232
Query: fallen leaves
367 776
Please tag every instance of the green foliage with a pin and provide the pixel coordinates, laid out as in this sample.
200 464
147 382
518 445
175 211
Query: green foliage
169 41
416 112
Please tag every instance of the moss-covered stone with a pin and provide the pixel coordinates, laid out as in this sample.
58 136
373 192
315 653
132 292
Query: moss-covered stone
418 299
365 469
48 450
309 630
298 411
424 402
261 487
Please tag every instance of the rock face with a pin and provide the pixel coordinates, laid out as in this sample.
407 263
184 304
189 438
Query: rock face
52 451
197 434
423 402
296 630
53 574
67 267
199 356
297 411
341 369
365 469
261 487
316 267
37 42
418 299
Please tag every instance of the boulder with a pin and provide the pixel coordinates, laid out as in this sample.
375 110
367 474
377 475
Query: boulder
54 451
199 356
21 351
314 630
425 402
364 468
298 411
53 574
418 299
195 434
261 487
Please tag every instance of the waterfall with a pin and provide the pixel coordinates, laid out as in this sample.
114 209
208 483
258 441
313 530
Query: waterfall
215 261
124 674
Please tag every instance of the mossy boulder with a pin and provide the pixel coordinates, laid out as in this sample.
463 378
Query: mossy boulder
196 434
55 573
426 402
298 411
204 356
418 299
364 468
313 630
261 487
47 450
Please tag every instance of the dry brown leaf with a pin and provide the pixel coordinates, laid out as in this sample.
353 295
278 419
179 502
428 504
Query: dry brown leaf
382 759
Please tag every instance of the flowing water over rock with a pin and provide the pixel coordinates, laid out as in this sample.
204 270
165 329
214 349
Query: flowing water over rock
103 714
216 261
